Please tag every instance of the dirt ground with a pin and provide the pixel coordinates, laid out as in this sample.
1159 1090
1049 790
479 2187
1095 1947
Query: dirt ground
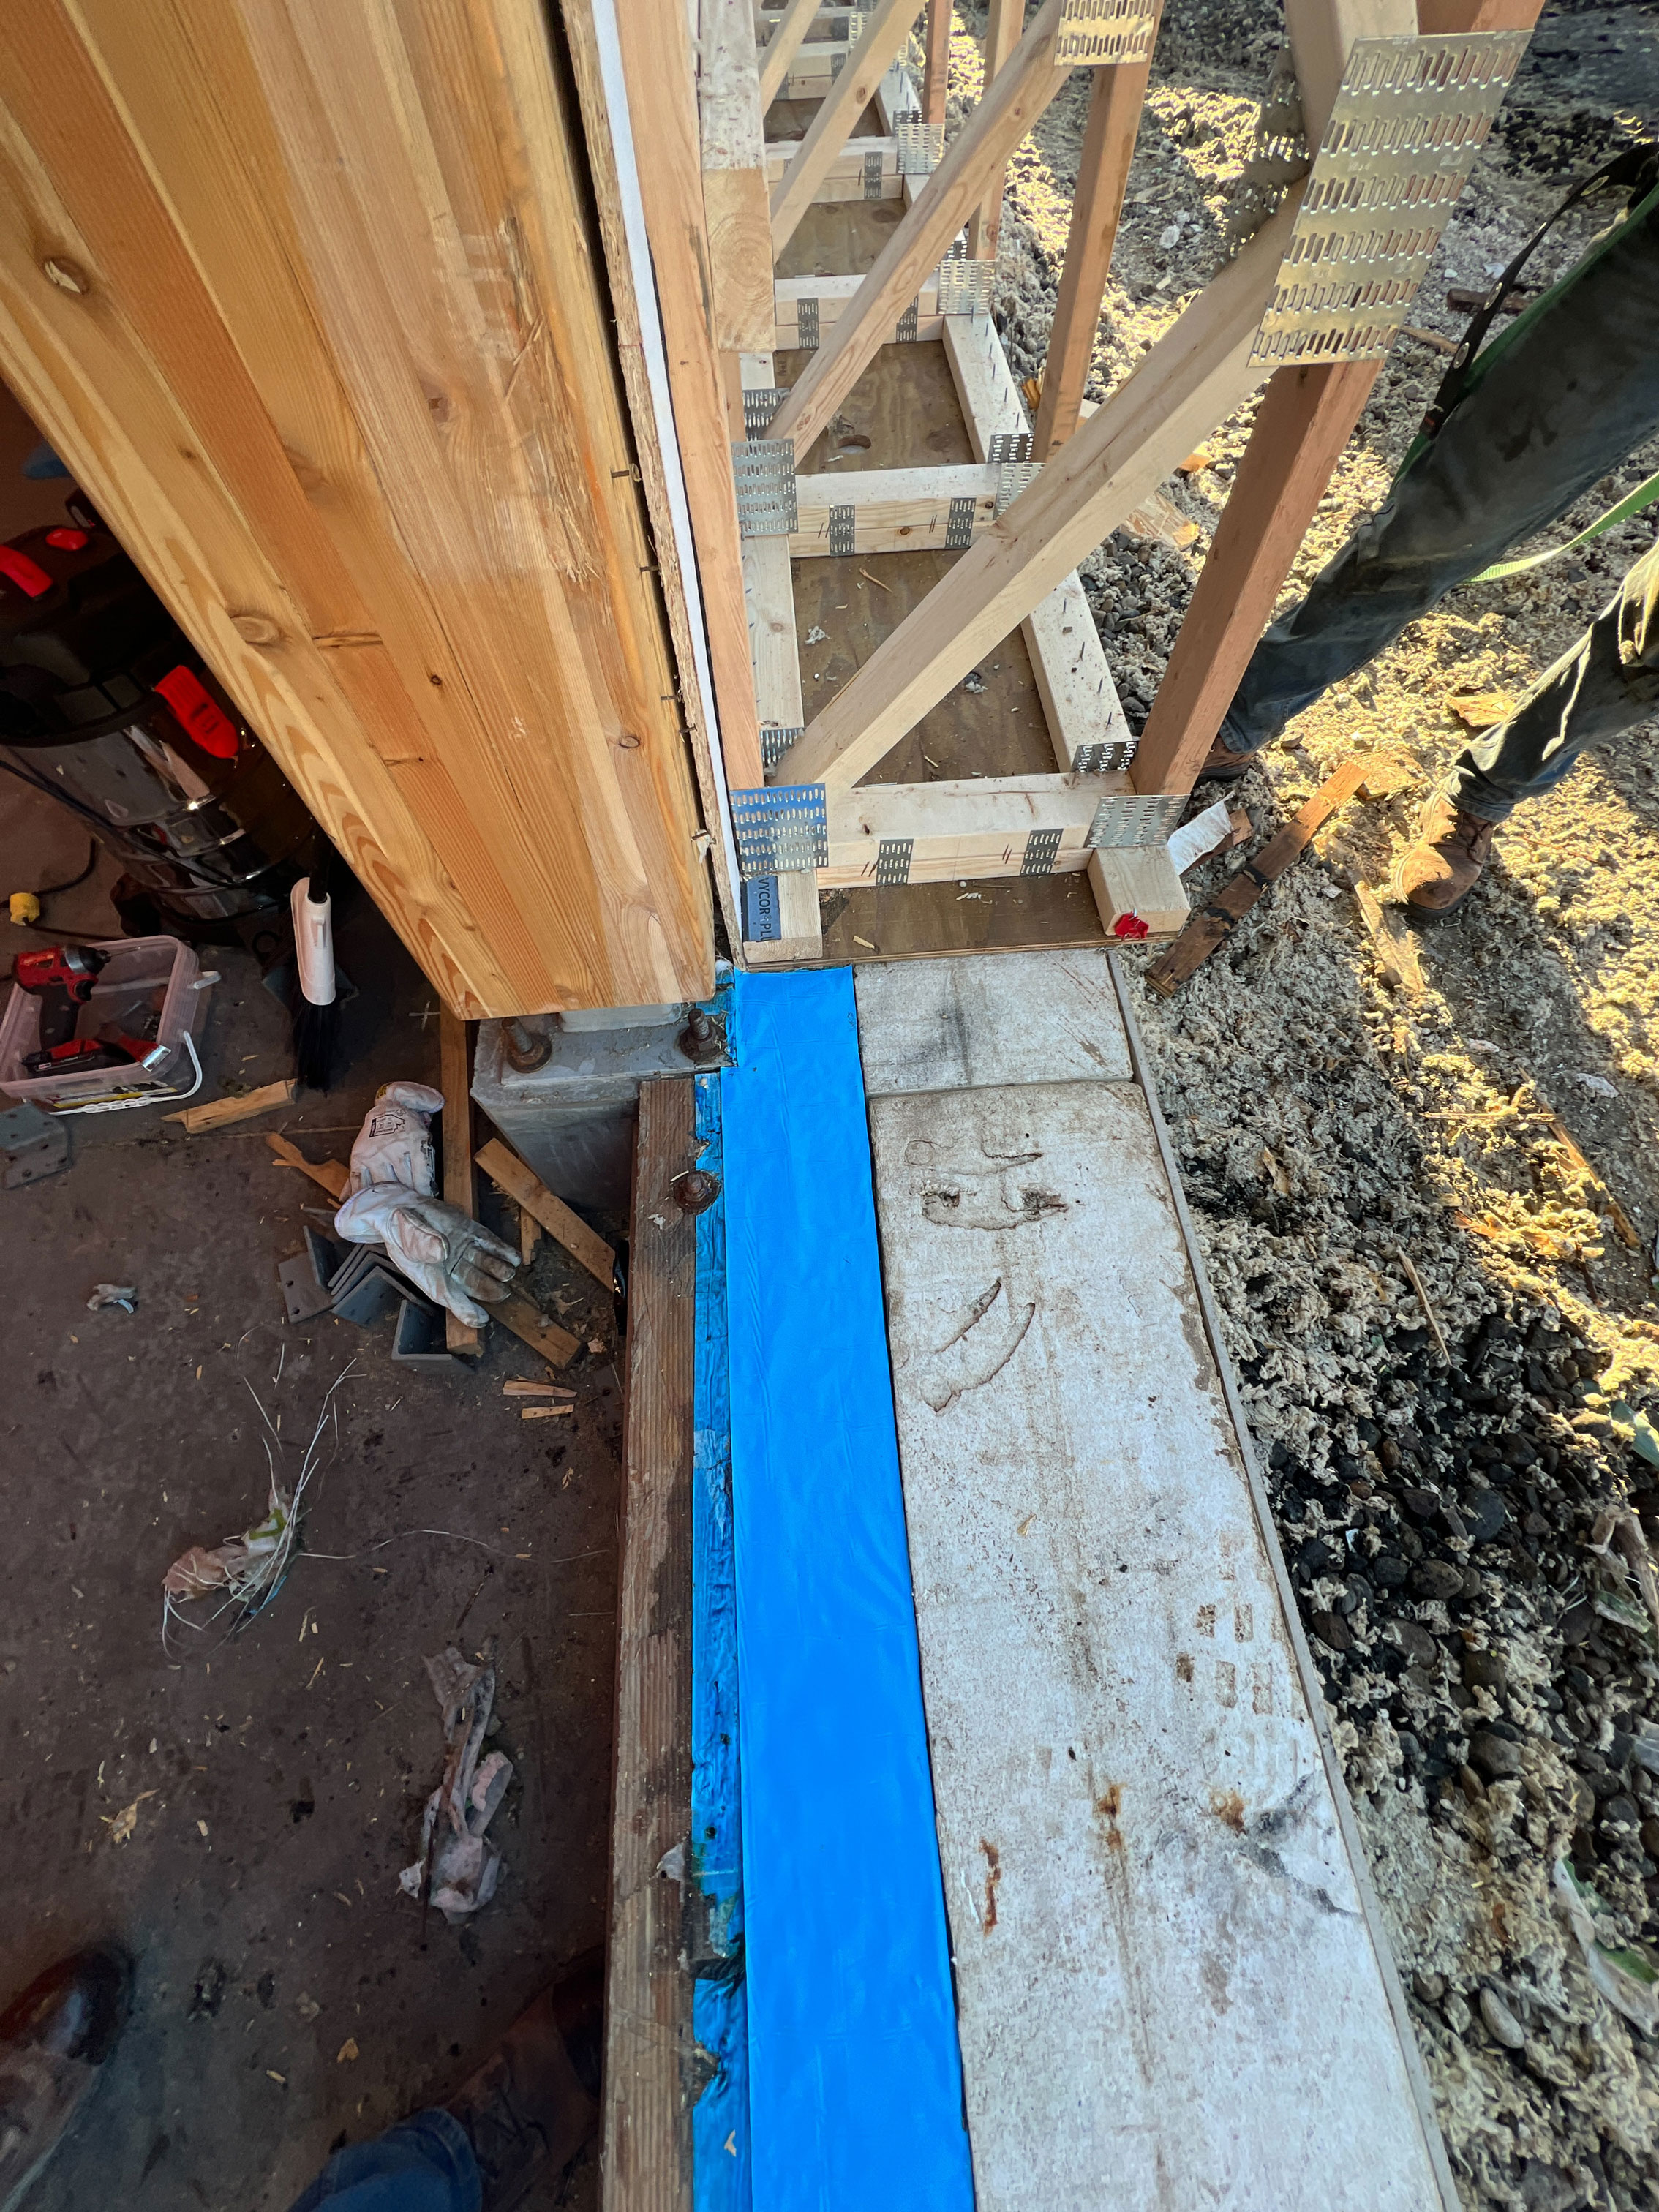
290 1996
1491 1677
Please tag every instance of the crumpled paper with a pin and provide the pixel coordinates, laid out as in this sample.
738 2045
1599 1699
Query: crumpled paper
461 1866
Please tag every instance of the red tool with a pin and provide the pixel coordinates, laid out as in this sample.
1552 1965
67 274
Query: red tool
87 1055
62 977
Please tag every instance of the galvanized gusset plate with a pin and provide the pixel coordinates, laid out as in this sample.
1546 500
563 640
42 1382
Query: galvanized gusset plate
1094 33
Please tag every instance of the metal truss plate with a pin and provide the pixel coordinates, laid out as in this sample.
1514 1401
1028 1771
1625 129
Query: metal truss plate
872 176
843 529
1013 478
1042 848
760 403
1125 817
1006 446
905 330
959 525
806 325
1410 117
776 738
920 146
1093 33
1100 759
779 828
964 286
893 861
764 469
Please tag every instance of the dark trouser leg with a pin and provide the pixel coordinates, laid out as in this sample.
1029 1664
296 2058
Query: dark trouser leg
1594 690
1576 390
425 2164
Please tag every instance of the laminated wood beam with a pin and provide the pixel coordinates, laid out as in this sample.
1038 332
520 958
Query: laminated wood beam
787 33
1004 23
936 70
1196 375
656 58
1109 144
885 31
331 446
734 177
1019 96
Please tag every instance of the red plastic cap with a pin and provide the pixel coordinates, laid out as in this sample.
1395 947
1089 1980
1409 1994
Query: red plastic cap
207 723
1131 926
67 541
29 575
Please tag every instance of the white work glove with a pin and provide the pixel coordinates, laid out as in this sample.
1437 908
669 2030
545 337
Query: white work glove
390 1201
395 1142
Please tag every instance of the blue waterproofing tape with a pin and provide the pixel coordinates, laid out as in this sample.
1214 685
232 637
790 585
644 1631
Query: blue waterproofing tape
855 2075
720 2119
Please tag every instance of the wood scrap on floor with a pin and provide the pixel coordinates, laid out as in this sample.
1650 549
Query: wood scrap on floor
515 1311
1391 940
1213 924
517 1389
220 1113
585 1245
1624 1228
332 1175
1483 710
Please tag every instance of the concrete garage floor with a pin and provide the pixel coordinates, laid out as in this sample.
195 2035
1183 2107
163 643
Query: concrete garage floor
279 1778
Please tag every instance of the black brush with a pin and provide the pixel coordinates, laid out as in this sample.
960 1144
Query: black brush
314 1003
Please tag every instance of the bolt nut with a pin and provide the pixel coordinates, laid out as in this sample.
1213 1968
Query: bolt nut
695 1191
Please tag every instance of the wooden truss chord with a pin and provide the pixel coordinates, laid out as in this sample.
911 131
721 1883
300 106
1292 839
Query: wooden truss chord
734 177
806 306
1004 22
936 72
893 510
788 31
885 31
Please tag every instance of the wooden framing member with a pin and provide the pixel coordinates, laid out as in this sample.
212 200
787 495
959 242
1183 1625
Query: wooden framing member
847 178
789 30
936 72
885 31
1115 100
812 73
656 61
650 2043
1197 375
1019 96
734 177
832 296
1004 21
892 510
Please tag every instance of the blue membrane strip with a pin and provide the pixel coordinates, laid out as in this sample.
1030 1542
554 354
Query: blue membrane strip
854 2073
715 1932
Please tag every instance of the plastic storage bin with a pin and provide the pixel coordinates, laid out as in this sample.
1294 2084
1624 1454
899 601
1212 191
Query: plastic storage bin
127 994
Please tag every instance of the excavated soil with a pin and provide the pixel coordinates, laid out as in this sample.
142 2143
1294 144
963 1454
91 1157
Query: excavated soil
1442 1465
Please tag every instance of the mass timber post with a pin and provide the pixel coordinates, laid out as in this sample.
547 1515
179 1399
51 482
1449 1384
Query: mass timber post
1115 100
734 195
1003 26
307 298
656 60
1021 92
884 34
1301 431
936 68
781 48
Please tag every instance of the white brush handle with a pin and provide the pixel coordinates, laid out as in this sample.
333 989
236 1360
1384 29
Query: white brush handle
314 943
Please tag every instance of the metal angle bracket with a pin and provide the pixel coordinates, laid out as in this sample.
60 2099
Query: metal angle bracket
781 828
1410 117
1041 848
764 472
872 176
964 286
1097 32
959 525
806 325
760 403
893 857
776 738
843 529
1125 817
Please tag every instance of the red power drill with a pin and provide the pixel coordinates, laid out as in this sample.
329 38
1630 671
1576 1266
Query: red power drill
62 977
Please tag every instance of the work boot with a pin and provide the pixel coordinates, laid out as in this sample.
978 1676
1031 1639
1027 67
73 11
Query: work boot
1438 871
54 2040
530 2108
1222 765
